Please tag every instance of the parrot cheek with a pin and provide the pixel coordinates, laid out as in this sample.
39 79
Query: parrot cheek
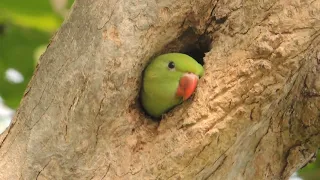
187 85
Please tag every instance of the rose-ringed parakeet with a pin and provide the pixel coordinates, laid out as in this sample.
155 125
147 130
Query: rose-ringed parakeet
168 80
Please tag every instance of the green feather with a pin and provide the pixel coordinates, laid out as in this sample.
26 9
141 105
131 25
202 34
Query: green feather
160 83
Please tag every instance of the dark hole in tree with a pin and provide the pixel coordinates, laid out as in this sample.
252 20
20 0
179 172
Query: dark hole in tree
220 20
192 44
198 49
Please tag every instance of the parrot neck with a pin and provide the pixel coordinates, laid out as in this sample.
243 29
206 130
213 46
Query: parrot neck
157 106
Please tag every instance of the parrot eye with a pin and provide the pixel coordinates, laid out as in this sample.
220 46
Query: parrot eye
171 65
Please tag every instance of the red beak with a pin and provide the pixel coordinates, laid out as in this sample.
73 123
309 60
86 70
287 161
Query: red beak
187 85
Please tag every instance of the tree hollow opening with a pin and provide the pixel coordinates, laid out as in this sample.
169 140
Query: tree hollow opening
190 43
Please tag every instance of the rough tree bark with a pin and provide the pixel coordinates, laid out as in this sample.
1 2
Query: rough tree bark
255 114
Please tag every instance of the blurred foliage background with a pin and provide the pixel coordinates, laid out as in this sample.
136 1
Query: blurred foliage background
312 170
25 30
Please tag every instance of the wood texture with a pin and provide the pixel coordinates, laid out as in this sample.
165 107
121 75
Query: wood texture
255 114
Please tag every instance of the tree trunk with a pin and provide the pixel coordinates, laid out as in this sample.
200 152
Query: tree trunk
255 114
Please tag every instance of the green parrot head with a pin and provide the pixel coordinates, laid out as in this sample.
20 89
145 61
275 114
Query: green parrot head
167 81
